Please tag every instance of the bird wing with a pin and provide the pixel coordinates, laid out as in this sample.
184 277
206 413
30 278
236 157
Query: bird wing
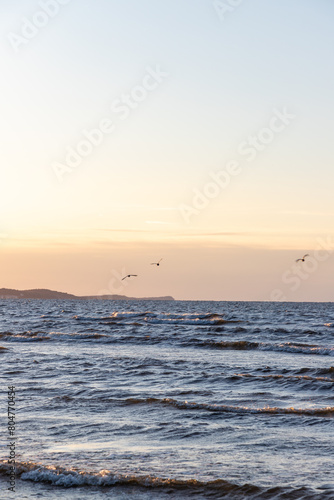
306 255
298 260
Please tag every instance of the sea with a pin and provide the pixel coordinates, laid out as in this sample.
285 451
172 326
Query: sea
166 400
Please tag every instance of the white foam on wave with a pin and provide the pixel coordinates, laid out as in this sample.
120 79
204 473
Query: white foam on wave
68 478
169 318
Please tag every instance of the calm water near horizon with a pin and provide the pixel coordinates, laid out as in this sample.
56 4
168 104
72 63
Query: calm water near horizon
177 399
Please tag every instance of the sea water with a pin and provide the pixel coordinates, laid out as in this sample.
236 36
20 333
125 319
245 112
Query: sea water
167 399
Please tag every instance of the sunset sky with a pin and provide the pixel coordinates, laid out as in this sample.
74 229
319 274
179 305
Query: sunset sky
190 130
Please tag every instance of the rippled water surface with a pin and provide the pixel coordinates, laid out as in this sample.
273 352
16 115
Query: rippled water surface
158 399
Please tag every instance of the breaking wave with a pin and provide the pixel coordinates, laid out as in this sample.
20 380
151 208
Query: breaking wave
187 405
219 488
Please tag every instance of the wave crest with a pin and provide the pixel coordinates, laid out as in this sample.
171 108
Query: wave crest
219 488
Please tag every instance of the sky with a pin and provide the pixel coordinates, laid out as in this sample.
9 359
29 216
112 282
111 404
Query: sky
196 131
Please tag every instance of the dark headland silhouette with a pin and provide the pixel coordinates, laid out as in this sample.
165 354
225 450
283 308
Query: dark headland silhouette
40 293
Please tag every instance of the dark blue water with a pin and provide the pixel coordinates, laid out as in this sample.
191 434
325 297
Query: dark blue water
157 399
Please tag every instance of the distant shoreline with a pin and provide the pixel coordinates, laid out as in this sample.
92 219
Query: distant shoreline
45 294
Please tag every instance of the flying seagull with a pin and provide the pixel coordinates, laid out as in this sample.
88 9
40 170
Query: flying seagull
303 258
128 276
156 263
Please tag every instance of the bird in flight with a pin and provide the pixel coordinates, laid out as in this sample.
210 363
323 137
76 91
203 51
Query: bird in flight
129 276
303 258
156 263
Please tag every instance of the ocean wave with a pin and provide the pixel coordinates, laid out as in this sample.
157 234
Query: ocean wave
291 347
25 336
299 348
156 337
313 372
307 378
68 478
187 405
38 336
148 317
239 345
